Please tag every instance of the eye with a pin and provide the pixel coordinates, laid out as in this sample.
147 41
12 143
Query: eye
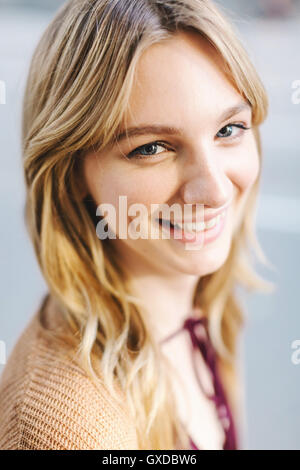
227 131
148 150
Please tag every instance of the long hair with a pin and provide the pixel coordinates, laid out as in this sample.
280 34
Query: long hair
76 95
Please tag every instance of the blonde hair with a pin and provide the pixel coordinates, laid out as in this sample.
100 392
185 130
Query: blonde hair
77 92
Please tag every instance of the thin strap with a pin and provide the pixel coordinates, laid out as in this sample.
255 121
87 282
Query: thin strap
204 344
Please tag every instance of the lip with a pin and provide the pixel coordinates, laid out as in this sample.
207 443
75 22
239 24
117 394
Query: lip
206 218
207 236
208 215
201 238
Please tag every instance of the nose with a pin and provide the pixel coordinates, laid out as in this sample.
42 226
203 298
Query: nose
206 183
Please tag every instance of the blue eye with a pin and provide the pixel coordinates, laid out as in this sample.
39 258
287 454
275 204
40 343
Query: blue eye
150 150
147 150
229 133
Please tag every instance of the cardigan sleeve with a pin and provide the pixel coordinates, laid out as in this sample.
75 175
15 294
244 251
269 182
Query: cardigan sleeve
54 405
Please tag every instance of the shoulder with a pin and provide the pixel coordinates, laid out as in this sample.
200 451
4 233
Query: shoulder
48 402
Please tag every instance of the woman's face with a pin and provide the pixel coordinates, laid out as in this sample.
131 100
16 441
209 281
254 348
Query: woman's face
206 160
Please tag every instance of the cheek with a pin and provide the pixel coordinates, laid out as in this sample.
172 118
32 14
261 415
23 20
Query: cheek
148 185
243 175
245 167
106 183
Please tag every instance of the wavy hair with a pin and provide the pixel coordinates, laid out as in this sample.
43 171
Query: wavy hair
77 91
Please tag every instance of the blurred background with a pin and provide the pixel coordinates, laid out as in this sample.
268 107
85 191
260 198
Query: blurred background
270 31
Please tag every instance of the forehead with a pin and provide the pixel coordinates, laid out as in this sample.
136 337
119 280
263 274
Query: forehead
179 80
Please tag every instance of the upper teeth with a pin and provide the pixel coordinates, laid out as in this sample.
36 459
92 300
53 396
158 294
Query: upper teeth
198 227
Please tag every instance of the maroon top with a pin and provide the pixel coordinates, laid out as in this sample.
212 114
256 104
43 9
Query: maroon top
202 341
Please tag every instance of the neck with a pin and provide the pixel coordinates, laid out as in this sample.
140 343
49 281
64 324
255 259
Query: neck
167 301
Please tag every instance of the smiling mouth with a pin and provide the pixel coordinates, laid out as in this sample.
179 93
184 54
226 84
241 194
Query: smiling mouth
192 227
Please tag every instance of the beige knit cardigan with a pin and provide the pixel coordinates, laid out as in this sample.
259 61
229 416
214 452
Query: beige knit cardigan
48 402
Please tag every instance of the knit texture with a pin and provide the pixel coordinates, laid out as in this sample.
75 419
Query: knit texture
47 401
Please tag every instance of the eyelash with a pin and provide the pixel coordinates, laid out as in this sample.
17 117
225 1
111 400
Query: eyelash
134 154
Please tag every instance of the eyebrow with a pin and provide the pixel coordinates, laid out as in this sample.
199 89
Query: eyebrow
170 130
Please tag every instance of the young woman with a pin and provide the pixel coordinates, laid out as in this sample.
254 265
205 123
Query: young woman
135 345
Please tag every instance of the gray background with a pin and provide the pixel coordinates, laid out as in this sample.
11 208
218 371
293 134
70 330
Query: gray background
271 379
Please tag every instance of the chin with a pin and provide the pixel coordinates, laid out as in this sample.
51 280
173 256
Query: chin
206 260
